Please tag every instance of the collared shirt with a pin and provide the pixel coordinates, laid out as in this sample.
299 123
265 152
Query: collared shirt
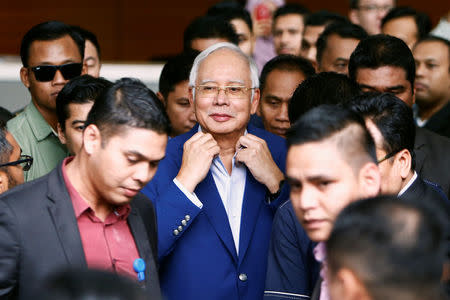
108 245
321 256
410 182
38 139
231 189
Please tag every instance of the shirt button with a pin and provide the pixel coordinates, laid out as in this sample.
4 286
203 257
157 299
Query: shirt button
183 222
187 217
176 232
243 277
180 228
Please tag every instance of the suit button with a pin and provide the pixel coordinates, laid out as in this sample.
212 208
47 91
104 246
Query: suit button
243 277
180 228
176 232
187 217
183 222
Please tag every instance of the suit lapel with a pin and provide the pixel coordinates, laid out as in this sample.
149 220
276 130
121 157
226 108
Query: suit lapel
419 149
142 243
62 213
253 200
215 211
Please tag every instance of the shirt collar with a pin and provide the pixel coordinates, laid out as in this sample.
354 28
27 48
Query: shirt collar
410 182
320 252
41 129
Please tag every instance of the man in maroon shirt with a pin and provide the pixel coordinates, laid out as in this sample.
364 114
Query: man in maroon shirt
88 211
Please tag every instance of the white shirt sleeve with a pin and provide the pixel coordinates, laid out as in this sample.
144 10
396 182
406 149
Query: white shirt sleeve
191 196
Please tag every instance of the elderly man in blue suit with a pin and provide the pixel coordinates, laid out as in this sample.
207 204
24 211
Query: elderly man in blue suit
218 187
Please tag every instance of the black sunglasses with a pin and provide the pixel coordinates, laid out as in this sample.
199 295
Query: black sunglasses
47 73
387 156
25 161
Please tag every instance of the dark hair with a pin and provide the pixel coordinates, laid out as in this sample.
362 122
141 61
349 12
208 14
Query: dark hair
5 146
5 115
89 36
128 102
393 117
342 29
422 20
382 50
321 88
49 31
394 246
82 284
327 121
324 17
209 27
286 62
176 70
433 38
230 10
81 89
289 9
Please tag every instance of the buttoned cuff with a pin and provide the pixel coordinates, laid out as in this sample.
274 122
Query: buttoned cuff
191 196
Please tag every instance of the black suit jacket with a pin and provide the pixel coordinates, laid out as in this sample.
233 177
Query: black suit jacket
440 121
39 235
433 158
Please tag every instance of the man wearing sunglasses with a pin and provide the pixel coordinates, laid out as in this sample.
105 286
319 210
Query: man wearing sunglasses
12 163
52 54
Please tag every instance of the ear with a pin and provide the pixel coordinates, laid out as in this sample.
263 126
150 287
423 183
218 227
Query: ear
403 159
369 180
61 135
351 287
161 98
92 140
255 102
24 76
353 16
3 182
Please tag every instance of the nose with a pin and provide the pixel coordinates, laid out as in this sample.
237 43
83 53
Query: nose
284 38
143 173
59 78
420 69
192 117
221 98
304 200
283 113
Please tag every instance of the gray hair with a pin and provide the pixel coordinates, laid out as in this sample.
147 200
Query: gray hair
211 49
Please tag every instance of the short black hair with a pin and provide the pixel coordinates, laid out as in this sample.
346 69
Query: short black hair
286 62
342 29
5 146
82 284
433 38
80 90
49 31
209 27
323 18
321 88
382 50
393 118
335 121
176 70
394 247
422 20
5 115
89 36
128 103
354 4
290 9
231 10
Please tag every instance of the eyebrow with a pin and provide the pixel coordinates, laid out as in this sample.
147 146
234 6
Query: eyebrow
78 121
342 59
46 63
140 156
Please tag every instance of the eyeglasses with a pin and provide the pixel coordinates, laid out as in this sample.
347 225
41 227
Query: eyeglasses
47 73
375 8
25 161
232 92
387 156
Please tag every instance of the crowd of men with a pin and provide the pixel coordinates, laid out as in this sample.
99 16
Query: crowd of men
321 171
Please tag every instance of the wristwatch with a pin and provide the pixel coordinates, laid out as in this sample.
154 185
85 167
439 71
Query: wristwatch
272 196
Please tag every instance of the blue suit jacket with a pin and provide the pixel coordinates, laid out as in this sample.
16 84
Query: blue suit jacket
199 260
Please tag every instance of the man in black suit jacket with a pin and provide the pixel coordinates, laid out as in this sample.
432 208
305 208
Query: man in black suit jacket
385 64
59 220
